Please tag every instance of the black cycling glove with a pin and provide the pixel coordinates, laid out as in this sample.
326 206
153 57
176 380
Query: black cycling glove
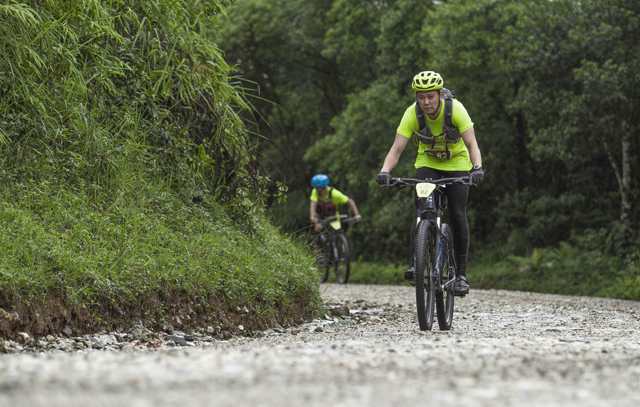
383 178
477 173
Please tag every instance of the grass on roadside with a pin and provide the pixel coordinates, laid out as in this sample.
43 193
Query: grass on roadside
376 273
67 263
565 269
561 270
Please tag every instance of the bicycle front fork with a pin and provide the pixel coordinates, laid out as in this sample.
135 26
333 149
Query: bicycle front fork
439 262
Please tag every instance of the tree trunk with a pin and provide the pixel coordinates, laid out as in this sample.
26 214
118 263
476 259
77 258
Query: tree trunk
622 172
625 188
522 152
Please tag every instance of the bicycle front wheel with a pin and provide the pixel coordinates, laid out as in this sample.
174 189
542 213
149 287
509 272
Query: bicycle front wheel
425 289
343 260
323 259
445 296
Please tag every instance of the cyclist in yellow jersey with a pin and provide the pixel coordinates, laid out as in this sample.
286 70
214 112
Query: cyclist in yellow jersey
444 150
326 200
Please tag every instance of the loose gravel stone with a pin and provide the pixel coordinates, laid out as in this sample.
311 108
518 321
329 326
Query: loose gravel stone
505 348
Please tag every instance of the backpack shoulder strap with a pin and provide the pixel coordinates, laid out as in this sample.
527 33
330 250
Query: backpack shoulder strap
420 116
424 133
450 130
448 107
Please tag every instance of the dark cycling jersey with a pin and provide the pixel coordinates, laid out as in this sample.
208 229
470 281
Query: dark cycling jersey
327 205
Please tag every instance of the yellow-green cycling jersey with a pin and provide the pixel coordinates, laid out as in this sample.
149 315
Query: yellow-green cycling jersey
428 154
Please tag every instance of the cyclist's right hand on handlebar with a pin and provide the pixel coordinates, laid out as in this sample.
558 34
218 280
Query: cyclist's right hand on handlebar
383 178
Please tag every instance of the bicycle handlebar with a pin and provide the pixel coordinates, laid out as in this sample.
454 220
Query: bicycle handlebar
407 182
343 219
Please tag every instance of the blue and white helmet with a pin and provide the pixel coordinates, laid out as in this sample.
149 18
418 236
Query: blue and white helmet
320 181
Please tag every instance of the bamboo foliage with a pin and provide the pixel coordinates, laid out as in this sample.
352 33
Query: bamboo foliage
94 89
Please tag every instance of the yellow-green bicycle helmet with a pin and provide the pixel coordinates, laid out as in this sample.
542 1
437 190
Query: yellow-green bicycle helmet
426 81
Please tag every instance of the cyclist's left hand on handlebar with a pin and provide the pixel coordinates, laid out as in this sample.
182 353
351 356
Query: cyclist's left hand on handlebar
477 173
357 218
383 178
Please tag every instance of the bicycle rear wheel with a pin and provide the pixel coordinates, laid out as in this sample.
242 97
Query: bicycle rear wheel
445 296
343 261
425 289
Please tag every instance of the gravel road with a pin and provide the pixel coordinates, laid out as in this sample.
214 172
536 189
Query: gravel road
506 348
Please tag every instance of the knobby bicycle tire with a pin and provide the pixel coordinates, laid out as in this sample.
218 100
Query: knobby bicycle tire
425 290
343 261
324 273
445 297
324 260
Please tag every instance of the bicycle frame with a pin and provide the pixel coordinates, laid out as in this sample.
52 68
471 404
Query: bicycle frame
335 246
328 240
432 203
431 210
331 226
431 251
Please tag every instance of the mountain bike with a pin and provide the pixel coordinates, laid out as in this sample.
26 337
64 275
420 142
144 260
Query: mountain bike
435 266
335 252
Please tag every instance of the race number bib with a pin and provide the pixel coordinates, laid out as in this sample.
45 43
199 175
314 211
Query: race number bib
424 189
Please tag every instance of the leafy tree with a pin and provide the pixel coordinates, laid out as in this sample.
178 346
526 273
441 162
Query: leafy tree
585 120
294 86
550 86
364 130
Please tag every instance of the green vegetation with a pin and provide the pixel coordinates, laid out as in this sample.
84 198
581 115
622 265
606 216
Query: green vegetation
550 85
562 270
127 190
377 273
141 141
164 262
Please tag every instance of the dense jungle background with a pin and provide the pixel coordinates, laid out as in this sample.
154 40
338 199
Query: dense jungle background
147 148
552 87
